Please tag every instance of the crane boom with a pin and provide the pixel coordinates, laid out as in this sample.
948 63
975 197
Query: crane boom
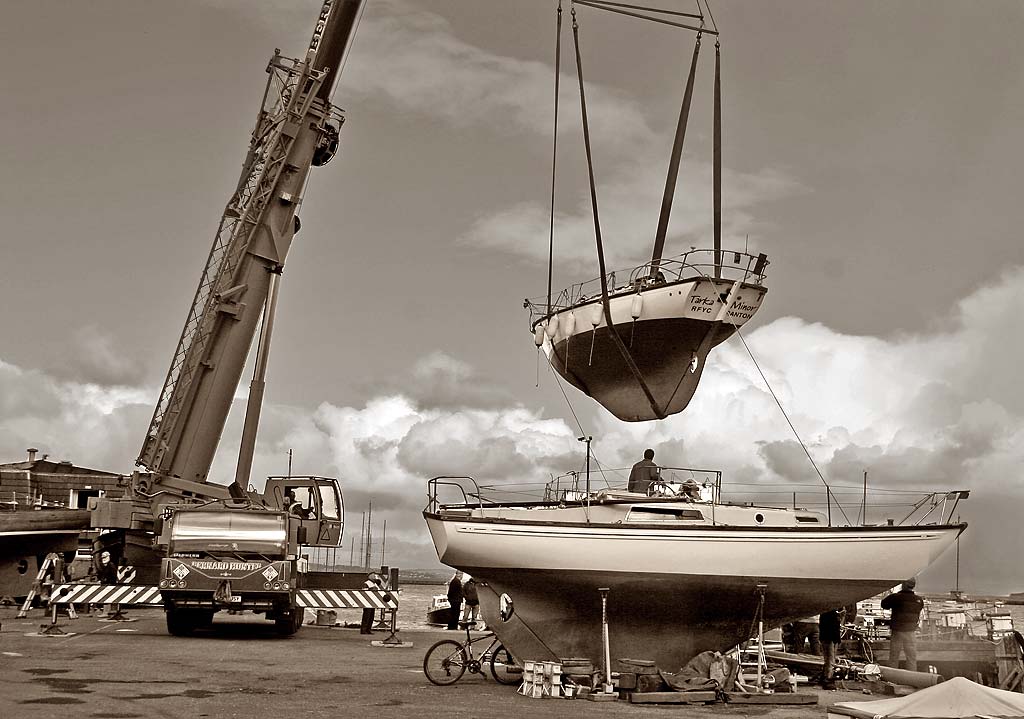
296 127
252 242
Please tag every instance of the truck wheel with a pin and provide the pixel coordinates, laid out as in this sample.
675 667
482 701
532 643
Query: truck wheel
290 622
180 623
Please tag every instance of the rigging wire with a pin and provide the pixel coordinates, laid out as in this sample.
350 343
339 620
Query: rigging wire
711 15
558 383
796 434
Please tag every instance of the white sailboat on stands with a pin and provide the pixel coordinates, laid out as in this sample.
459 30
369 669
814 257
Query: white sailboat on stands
686 575
639 346
686 572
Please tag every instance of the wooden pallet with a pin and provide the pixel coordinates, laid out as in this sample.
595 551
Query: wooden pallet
780 698
699 697
1010 664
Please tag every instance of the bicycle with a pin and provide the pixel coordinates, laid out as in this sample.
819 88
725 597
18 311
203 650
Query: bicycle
447 660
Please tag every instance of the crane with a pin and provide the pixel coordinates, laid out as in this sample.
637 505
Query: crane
170 505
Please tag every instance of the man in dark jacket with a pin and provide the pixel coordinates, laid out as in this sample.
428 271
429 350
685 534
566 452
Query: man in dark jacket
643 474
373 581
906 613
830 629
455 600
472 598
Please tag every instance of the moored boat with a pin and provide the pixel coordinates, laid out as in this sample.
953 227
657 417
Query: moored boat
27 535
439 609
683 576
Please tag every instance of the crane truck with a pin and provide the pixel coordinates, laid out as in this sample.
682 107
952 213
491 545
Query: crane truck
208 546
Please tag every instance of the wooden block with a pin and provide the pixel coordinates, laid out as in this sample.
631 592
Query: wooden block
583 680
602 697
638 662
794 698
673 698
627 680
649 683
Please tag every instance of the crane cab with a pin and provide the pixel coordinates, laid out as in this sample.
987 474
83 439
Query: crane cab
315 502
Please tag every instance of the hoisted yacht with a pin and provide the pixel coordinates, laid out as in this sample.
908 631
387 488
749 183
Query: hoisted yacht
639 347
667 326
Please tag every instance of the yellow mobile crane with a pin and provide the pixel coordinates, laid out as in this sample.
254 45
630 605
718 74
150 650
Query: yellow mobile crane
208 546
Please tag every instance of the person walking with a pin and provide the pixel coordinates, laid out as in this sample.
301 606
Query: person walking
454 600
803 632
830 627
643 474
906 613
472 599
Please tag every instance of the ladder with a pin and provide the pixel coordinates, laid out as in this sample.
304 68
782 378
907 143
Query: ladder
51 564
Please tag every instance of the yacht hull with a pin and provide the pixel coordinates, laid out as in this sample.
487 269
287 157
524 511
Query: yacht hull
26 537
674 592
668 330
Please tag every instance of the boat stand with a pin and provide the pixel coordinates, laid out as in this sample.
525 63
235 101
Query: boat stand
761 684
53 629
116 615
392 640
608 689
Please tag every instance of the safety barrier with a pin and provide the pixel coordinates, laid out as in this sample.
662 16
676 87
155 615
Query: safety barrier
150 596
346 599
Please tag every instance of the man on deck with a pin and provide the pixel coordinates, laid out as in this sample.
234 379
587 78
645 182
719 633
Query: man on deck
644 473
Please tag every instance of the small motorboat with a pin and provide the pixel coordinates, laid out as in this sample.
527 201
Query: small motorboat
437 613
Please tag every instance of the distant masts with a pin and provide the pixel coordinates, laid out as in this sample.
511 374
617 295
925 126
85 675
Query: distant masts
366 546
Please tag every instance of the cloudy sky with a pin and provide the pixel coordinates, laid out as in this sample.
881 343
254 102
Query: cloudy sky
872 149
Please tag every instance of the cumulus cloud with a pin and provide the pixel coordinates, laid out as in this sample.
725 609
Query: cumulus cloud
928 411
919 412
89 424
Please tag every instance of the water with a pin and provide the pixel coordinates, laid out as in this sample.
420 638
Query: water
413 605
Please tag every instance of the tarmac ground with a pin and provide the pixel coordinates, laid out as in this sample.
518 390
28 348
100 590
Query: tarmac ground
241 668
